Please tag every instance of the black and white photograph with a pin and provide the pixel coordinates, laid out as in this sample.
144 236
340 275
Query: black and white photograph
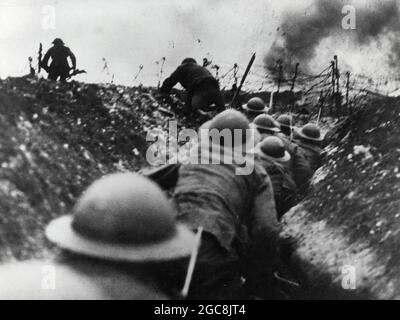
216 153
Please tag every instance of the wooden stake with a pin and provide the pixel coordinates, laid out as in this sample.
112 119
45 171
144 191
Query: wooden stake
138 73
333 85
295 76
280 67
337 74
40 57
347 91
235 71
161 73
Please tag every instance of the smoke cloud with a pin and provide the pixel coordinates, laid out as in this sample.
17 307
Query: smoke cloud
301 34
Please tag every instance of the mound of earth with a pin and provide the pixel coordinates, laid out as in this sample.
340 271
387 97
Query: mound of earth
348 228
56 139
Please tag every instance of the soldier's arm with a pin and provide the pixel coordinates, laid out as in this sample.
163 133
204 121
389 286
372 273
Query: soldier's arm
45 60
170 82
73 59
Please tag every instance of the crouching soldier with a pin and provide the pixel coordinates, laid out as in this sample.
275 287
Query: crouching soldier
117 244
298 166
202 88
232 200
286 124
255 107
274 158
309 139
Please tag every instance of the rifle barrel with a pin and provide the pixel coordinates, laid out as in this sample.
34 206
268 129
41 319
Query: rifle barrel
253 57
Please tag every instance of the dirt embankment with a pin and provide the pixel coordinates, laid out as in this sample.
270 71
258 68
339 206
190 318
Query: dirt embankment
63 137
56 139
348 228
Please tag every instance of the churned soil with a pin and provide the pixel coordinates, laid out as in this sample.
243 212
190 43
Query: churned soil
56 139
352 215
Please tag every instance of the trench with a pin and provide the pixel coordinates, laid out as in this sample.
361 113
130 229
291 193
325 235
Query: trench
65 138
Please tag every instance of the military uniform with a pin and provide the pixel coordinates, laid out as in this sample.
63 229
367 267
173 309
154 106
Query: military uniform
202 88
284 187
59 67
309 139
298 166
311 152
238 215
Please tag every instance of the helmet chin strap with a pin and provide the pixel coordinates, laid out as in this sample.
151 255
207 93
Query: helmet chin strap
192 263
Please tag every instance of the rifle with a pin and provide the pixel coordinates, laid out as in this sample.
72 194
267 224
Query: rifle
75 72
253 57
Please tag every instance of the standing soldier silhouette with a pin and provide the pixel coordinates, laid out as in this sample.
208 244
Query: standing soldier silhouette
59 67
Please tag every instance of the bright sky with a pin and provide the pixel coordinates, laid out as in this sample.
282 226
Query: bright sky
130 33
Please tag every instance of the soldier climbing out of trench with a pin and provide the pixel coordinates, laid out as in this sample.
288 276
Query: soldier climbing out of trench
202 88
59 66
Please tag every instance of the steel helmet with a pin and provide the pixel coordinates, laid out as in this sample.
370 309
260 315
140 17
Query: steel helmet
265 123
285 120
232 120
123 216
273 147
58 41
310 132
256 105
189 60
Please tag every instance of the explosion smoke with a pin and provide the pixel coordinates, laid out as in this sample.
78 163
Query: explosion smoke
301 34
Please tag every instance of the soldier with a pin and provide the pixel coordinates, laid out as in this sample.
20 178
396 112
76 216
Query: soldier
254 107
309 138
274 158
286 124
117 244
59 67
202 88
236 211
266 125
297 166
